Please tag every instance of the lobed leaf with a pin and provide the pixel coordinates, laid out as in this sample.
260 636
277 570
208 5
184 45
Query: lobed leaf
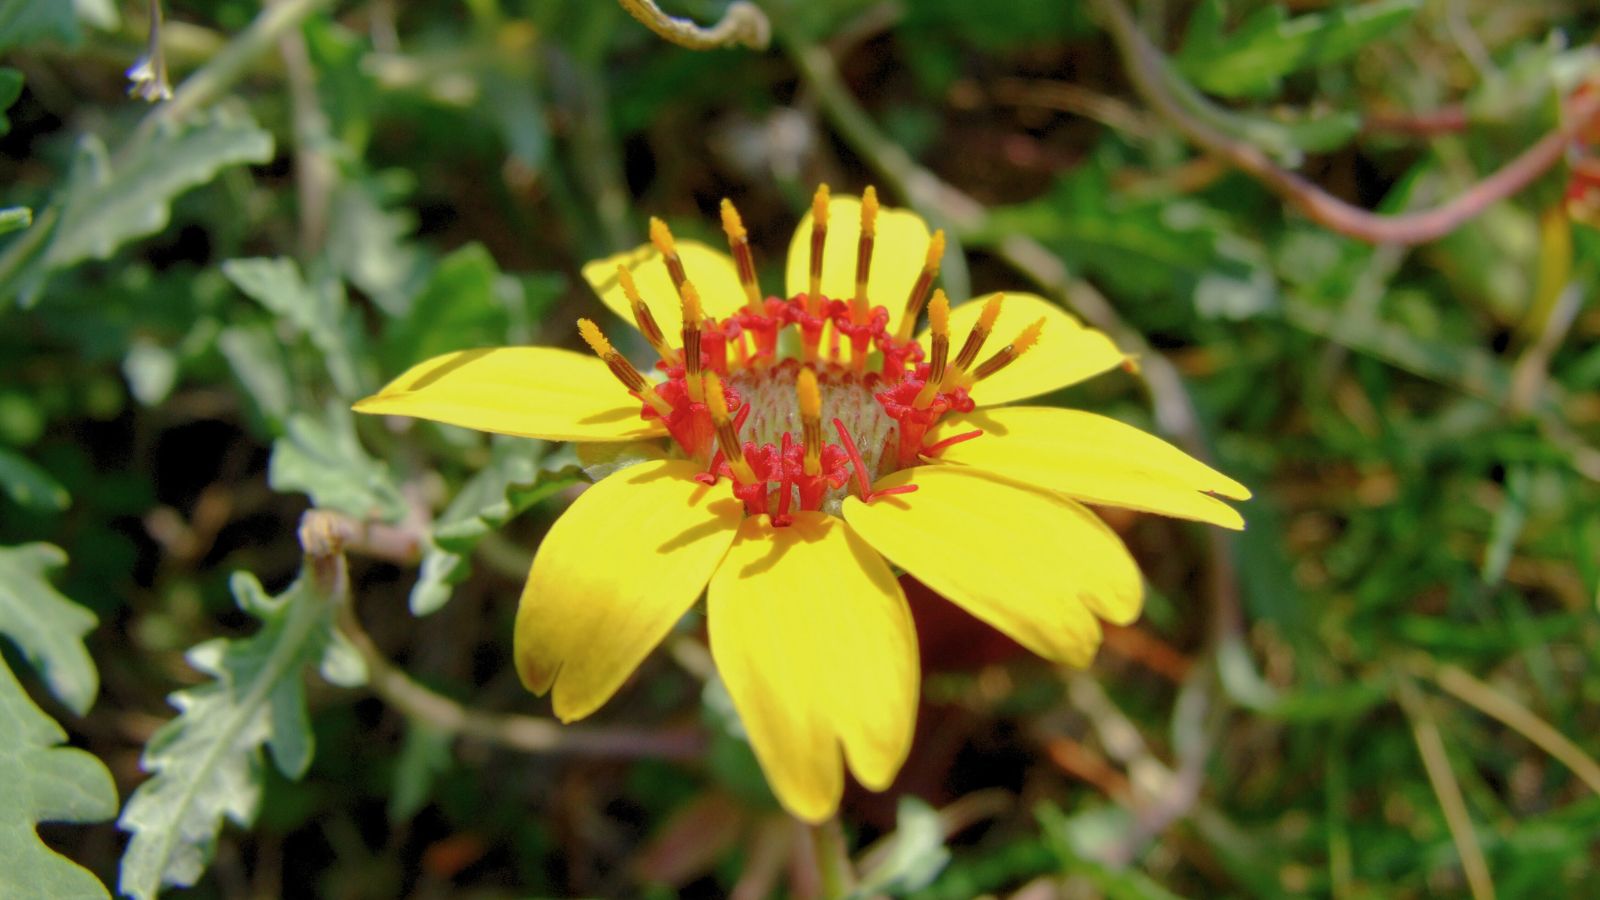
206 764
47 627
320 456
109 202
44 782
515 479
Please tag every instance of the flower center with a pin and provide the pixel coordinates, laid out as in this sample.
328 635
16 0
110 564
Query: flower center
790 423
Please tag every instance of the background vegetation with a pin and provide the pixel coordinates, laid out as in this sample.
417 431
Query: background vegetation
1386 686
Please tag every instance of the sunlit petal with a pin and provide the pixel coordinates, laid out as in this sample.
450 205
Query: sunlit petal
712 271
619 567
1094 459
899 250
526 391
1034 564
1067 352
813 639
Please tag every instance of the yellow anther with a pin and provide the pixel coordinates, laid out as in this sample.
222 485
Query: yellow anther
979 334
819 206
1028 337
642 316
727 437
591 334
810 397
990 312
661 236
690 297
939 314
631 378
939 318
919 290
869 211
731 223
1026 340
739 242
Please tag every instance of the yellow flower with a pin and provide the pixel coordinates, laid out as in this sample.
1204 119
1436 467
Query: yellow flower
813 441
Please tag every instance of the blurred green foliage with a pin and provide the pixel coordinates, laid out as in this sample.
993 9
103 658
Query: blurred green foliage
191 295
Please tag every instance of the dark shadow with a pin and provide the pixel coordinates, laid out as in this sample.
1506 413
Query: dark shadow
467 357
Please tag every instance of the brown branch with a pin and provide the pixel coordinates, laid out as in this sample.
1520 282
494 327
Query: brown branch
326 535
1149 72
1446 120
742 23
529 734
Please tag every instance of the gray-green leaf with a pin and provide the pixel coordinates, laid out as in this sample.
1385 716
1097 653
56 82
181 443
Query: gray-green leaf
44 782
46 626
206 764
109 203
319 312
321 457
515 479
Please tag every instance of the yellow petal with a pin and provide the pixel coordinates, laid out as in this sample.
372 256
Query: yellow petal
899 250
813 638
1067 351
712 272
1035 565
536 392
614 573
1094 459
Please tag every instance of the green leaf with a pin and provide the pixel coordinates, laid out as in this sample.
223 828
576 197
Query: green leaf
46 626
10 90
458 309
206 764
29 486
321 457
15 218
367 244
513 481
1145 248
423 755
108 203
1253 59
151 370
44 782
26 21
258 361
917 856
319 312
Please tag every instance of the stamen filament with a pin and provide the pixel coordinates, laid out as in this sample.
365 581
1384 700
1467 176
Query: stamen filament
859 310
630 377
727 432
981 330
1010 352
692 317
739 242
810 397
819 237
642 316
661 236
919 291
939 319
